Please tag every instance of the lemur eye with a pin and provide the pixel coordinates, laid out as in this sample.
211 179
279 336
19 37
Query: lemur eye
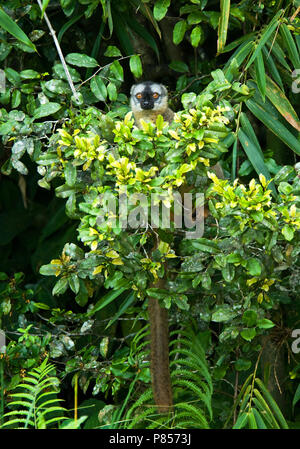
155 95
139 96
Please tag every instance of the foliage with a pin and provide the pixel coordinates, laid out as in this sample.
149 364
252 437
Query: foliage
192 386
264 413
230 69
34 403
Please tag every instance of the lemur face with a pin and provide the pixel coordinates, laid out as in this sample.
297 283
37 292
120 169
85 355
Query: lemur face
148 95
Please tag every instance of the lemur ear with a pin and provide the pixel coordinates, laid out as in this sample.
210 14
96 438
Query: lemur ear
132 88
164 89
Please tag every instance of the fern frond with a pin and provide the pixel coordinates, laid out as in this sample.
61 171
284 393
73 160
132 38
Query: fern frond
191 383
206 398
146 396
37 408
141 417
196 416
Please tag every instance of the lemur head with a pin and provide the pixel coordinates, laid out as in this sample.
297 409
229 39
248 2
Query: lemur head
148 95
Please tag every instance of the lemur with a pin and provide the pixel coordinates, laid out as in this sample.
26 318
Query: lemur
148 100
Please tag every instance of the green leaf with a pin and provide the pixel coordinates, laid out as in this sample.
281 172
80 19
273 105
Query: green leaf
205 245
290 45
117 71
70 174
120 28
46 109
59 71
296 396
60 287
67 25
264 323
242 364
122 309
265 36
254 267
255 157
251 420
13 76
206 281
278 53
223 24
160 9
48 270
112 52
241 421
44 7
103 347
74 283
81 60
112 91
249 318
259 419
157 293
281 103
15 99
238 56
19 166
272 67
179 31
249 131
288 232
188 100
82 297
274 125
105 300
58 87
260 74
98 88
196 36
179 66
136 66
248 334
272 403
12 28
228 273
223 313
237 42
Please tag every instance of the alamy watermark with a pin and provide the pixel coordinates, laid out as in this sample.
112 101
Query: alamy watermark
138 210
296 82
2 342
296 343
2 81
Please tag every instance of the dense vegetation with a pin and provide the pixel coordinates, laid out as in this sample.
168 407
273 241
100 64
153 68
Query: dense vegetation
73 289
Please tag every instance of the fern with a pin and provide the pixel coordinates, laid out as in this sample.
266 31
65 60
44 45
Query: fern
34 405
192 388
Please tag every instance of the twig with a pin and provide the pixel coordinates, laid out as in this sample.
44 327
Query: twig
101 68
60 54
295 14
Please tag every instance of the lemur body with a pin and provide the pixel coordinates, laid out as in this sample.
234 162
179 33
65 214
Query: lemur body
148 100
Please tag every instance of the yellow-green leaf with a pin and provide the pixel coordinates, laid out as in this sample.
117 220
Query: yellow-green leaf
223 24
281 103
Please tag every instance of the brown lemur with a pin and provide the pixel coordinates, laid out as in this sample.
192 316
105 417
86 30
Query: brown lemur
148 100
